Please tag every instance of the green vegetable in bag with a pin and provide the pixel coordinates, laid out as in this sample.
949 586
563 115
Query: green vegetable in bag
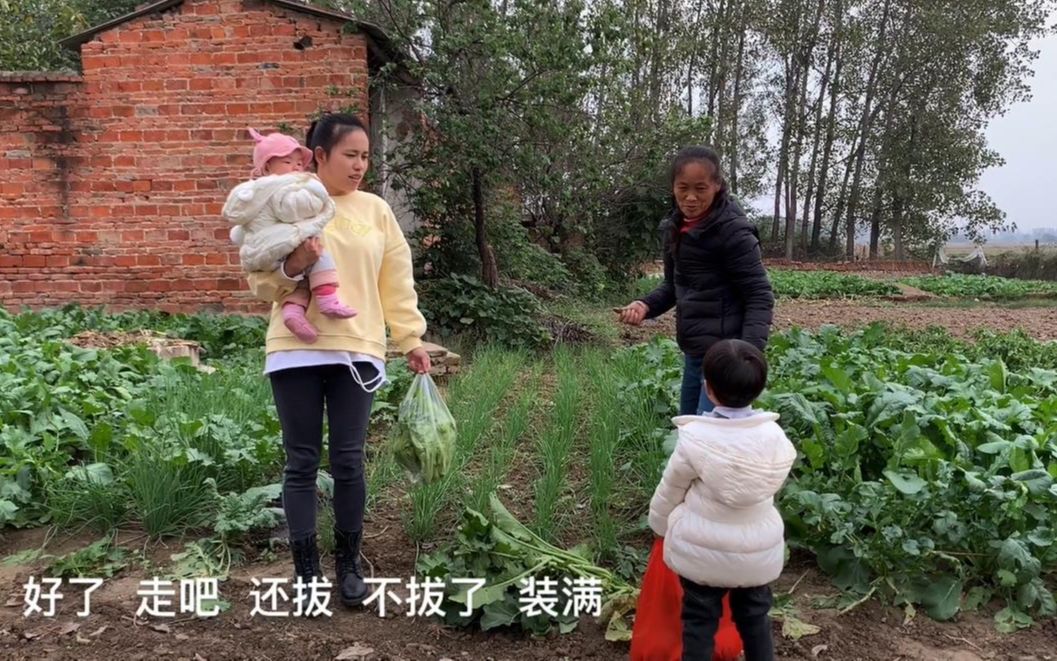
424 443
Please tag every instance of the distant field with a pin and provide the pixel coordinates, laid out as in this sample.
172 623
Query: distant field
966 248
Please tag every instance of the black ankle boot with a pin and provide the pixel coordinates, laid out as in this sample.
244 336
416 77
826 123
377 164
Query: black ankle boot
351 587
306 558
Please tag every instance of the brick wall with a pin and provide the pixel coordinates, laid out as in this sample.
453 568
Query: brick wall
35 137
112 184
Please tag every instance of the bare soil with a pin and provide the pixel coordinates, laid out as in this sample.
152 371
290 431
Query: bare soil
1039 322
871 632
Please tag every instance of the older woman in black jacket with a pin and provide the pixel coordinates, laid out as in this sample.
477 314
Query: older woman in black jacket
713 272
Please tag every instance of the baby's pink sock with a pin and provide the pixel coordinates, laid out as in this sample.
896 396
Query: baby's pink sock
298 324
329 304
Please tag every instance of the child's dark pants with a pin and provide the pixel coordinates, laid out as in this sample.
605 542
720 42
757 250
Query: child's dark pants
702 609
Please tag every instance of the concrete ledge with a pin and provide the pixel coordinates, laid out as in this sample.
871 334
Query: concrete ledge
39 77
444 361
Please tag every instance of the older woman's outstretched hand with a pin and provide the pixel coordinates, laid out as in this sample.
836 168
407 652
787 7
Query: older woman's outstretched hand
418 360
634 314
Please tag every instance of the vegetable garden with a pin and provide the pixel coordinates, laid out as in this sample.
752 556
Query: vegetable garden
926 485
832 285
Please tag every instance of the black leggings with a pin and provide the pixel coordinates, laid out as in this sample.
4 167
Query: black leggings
300 394
749 607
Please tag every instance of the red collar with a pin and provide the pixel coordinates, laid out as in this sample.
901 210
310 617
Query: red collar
690 223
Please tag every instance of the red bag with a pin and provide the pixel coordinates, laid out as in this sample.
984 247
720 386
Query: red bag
657 634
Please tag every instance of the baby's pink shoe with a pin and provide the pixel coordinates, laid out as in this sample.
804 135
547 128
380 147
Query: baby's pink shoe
298 324
331 306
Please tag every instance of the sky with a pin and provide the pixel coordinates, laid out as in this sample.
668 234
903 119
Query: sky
1026 137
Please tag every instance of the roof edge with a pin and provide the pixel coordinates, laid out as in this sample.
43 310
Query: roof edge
377 37
76 40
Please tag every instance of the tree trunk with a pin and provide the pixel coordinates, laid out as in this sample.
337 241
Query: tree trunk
839 212
899 201
489 269
735 137
831 129
636 73
816 144
726 10
793 175
805 56
864 130
898 207
783 154
656 61
875 222
805 224
903 187
713 68
882 171
600 104
692 65
778 194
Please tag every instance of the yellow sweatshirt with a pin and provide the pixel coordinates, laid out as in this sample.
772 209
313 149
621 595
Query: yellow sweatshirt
373 261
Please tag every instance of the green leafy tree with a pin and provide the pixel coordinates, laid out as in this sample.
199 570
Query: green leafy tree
544 125
30 30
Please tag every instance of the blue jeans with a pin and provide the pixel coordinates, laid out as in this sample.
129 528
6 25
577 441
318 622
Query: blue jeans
693 399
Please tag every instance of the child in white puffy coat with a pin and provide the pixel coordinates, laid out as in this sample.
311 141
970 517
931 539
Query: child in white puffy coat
715 505
276 211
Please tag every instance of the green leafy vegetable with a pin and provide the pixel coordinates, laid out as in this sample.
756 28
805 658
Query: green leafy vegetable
424 439
958 285
506 554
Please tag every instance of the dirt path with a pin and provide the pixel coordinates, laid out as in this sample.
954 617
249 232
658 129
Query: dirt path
234 634
1039 322
871 632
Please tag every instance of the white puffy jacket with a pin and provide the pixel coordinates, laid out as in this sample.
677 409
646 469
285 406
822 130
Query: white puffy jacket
275 214
715 503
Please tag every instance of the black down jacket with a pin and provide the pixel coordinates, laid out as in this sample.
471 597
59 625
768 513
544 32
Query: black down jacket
714 276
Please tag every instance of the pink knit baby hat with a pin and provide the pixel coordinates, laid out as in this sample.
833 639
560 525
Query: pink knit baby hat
272 145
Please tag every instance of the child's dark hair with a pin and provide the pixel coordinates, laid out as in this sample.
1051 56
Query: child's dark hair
698 154
328 130
736 371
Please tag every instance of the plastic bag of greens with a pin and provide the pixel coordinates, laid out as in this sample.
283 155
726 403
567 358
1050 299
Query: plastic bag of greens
424 443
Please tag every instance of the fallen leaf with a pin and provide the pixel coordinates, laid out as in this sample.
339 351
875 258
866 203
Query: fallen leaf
99 631
357 652
909 613
794 628
68 628
618 613
30 635
818 649
161 628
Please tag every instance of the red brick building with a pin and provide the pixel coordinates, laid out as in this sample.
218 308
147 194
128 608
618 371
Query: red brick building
111 182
